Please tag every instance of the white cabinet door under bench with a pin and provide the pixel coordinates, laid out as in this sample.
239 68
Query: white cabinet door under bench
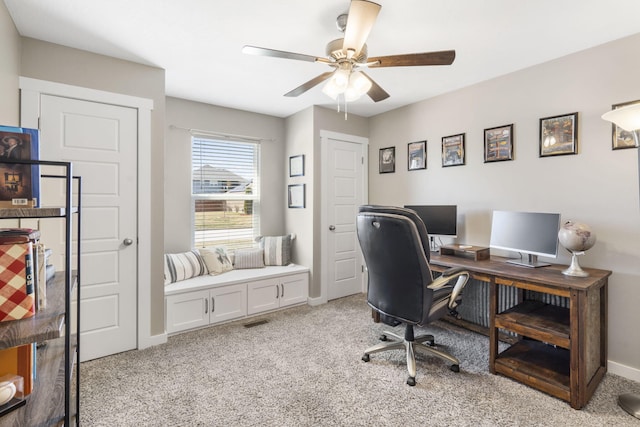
205 300
275 293
201 308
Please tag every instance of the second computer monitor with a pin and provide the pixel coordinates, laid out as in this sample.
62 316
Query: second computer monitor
440 220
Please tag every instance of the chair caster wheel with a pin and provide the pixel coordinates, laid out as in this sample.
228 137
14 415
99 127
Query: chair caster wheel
455 368
411 381
383 337
365 358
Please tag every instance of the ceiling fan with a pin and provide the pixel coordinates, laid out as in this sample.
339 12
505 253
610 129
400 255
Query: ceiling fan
346 55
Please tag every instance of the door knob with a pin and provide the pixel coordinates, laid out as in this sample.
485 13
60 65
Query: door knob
127 242
332 227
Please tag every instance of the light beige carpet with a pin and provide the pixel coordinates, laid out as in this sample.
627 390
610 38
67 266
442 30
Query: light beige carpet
303 368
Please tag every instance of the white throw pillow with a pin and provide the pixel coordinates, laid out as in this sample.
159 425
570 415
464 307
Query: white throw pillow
216 259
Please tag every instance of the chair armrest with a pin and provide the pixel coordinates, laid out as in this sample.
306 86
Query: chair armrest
446 277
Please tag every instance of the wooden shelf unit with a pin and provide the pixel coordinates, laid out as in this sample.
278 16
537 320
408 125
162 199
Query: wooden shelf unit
560 351
55 396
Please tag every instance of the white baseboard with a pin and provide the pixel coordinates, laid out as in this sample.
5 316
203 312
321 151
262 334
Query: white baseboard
152 340
623 370
316 301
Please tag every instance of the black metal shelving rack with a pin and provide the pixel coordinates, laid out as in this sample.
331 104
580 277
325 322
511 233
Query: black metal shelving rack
52 326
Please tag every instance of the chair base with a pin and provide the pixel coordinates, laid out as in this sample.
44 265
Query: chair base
410 345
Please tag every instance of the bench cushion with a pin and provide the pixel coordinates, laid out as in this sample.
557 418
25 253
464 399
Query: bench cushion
232 277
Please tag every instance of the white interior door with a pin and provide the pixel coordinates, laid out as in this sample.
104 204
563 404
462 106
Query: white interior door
101 141
343 193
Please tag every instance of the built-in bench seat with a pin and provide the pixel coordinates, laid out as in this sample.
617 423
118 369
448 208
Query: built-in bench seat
232 277
210 299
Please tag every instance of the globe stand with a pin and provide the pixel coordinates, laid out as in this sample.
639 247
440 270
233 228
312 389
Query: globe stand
574 269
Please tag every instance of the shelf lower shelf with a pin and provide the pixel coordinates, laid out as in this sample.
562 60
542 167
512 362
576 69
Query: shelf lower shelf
537 320
45 405
538 365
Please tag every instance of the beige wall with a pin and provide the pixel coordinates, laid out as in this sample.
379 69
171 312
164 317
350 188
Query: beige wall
9 70
299 140
598 186
51 62
177 174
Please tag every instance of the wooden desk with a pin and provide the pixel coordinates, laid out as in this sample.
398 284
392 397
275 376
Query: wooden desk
561 351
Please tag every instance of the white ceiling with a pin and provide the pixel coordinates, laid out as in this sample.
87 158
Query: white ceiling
199 42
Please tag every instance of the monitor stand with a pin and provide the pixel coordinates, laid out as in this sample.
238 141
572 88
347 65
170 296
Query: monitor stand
531 261
433 245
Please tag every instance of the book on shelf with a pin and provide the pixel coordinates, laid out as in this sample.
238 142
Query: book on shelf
17 293
19 183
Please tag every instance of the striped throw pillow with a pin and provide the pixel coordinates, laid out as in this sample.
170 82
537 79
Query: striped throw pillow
249 258
277 249
183 266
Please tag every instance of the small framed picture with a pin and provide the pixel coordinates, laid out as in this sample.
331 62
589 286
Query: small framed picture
296 165
498 143
417 155
387 160
621 138
559 135
296 196
453 150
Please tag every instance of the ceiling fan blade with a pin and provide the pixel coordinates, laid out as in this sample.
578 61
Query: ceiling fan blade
262 51
444 57
308 85
376 93
362 15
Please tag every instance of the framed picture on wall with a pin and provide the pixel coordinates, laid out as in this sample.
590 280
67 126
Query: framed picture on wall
296 165
417 155
387 160
453 150
296 196
498 143
621 138
559 135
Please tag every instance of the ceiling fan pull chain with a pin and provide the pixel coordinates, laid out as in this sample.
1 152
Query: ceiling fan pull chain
345 108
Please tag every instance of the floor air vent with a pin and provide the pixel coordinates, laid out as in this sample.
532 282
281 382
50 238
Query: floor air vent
256 323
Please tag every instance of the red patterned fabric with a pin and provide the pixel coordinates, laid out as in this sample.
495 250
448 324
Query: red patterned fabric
17 298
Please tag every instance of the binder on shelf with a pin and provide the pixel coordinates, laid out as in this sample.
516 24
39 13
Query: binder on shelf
17 293
20 361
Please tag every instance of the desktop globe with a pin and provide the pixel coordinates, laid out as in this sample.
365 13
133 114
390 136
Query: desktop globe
576 237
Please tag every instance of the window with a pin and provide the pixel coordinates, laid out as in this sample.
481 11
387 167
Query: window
225 193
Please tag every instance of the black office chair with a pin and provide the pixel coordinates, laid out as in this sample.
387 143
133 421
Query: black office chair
395 245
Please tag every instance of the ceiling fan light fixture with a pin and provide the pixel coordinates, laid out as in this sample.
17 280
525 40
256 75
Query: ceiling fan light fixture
358 86
331 89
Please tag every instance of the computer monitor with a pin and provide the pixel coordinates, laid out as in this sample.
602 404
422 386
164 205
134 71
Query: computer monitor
440 220
531 233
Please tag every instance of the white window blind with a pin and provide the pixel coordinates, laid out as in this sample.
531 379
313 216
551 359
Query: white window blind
225 192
